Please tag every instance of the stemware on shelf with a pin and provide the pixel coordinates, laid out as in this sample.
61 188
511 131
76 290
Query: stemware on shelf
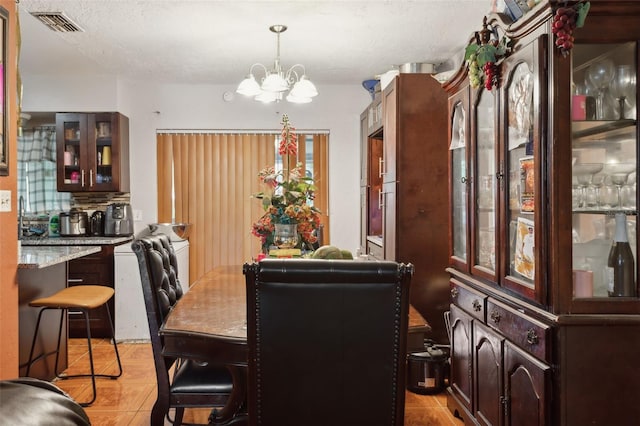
584 174
618 173
622 87
600 74
593 192
629 192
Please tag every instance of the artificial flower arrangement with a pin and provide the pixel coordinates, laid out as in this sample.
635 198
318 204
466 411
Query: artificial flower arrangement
287 195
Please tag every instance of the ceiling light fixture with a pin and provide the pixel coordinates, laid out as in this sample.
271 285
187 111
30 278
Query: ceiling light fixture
276 82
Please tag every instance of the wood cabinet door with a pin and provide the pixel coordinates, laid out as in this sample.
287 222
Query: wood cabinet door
484 185
364 156
459 179
487 367
527 384
71 152
460 379
363 218
96 269
389 219
524 190
390 125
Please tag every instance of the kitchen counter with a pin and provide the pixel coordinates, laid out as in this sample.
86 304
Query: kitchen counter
74 241
37 257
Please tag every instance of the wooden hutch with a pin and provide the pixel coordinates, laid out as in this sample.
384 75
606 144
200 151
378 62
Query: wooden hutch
535 181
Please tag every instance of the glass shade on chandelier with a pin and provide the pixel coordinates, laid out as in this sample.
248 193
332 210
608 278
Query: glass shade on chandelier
276 82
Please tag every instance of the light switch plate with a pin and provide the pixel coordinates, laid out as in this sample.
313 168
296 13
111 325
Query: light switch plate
137 215
5 201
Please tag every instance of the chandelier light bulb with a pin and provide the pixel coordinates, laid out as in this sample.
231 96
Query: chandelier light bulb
304 88
249 86
276 82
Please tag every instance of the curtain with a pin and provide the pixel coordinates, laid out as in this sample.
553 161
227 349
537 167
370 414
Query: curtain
207 180
37 171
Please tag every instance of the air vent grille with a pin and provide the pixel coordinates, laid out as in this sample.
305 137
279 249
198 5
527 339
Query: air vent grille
57 21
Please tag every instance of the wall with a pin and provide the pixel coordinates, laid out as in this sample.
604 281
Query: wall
8 222
152 106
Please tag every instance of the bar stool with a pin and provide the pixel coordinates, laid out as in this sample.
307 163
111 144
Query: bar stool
82 298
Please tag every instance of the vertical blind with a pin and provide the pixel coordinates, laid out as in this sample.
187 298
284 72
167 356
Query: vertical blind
207 179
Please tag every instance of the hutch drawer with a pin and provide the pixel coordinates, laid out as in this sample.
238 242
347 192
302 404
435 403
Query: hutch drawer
527 333
472 301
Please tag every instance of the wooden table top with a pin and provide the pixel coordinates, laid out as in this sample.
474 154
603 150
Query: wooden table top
215 307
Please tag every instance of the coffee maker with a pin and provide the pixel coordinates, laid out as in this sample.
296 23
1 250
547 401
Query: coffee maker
118 221
97 223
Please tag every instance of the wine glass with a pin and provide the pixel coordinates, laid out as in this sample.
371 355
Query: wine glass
600 74
584 173
618 173
593 194
621 86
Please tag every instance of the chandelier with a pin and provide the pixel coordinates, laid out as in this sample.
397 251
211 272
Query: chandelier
276 82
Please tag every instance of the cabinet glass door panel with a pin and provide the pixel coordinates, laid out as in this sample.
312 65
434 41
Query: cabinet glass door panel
485 182
604 165
74 153
101 134
459 181
523 184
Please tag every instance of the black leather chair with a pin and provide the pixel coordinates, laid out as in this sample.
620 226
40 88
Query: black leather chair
327 342
194 384
33 402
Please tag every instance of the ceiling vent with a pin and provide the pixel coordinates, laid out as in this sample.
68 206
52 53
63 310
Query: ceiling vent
57 21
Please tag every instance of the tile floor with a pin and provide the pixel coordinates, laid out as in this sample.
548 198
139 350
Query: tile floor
129 399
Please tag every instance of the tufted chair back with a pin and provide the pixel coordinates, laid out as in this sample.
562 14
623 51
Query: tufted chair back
157 259
327 342
194 383
161 290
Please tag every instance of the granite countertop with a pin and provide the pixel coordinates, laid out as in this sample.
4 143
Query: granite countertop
74 241
36 257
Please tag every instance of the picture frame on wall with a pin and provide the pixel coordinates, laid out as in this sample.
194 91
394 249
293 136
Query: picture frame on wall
4 143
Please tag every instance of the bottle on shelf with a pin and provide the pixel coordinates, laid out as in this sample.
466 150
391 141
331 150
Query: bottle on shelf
621 266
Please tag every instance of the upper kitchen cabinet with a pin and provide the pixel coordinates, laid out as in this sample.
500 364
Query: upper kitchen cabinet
92 152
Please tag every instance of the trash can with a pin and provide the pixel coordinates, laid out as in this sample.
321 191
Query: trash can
426 371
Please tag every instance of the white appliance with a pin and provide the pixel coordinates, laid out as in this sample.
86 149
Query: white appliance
131 314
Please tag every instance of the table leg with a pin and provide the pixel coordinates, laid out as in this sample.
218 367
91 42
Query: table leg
235 410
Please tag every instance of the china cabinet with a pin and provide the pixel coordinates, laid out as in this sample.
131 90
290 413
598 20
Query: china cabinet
404 188
542 175
92 152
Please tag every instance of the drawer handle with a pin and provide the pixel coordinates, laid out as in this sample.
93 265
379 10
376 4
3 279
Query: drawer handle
495 316
476 305
75 280
532 337
454 292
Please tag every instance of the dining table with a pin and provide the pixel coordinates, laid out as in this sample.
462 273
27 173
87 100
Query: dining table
209 323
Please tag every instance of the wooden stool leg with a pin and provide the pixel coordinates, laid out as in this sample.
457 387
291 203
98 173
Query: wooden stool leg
115 345
93 373
63 313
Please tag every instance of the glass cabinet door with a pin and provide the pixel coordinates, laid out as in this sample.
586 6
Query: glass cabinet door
604 165
100 137
485 184
73 153
460 178
523 182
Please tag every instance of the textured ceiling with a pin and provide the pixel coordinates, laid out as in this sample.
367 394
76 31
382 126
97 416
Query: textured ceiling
216 41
